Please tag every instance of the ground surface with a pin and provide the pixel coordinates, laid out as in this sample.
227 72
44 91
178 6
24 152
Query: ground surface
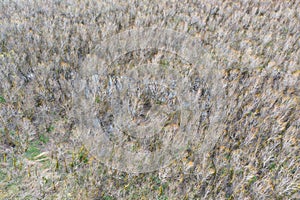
256 47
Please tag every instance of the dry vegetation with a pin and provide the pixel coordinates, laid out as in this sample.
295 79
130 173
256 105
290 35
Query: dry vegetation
43 45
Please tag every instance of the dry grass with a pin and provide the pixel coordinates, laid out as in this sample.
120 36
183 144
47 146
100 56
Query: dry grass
42 49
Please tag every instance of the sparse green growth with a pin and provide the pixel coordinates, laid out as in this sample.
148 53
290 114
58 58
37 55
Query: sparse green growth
3 175
33 150
50 128
164 63
83 155
108 197
2 99
43 138
272 166
252 180
97 100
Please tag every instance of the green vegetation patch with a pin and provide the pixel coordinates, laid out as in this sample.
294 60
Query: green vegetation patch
2 99
33 150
